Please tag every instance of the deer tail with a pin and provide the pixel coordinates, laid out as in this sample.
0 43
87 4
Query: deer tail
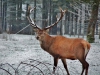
86 46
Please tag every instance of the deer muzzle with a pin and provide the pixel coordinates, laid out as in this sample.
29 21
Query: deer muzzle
37 38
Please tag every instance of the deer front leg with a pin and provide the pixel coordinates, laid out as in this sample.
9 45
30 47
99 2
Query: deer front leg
65 65
55 64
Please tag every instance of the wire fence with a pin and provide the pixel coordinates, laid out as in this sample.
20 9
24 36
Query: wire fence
29 67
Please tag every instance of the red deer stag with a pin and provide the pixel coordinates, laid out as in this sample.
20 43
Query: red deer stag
61 47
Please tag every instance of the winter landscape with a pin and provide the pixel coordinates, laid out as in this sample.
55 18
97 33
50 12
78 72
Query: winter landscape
20 52
18 48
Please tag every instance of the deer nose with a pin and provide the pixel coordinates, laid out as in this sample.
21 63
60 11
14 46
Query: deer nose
37 37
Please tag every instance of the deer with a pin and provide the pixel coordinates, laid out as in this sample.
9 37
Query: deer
61 47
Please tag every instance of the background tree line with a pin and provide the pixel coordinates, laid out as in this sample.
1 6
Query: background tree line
13 16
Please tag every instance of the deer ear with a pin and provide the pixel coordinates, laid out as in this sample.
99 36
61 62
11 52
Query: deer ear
47 30
35 29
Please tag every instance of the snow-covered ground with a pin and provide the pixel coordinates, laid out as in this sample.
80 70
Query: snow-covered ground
16 48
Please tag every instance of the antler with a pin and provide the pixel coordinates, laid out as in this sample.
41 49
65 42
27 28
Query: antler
58 19
32 23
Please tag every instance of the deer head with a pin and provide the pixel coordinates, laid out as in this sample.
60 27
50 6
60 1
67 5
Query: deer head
41 32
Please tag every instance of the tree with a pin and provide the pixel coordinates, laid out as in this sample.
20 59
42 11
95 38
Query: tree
54 13
45 13
92 22
19 9
3 14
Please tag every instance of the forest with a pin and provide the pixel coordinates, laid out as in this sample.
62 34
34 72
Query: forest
22 54
81 18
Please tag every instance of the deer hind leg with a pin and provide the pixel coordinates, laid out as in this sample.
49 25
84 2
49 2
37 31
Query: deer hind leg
55 64
81 56
65 65
82 70
85 66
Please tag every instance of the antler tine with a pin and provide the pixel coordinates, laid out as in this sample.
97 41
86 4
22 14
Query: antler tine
32 23
58 19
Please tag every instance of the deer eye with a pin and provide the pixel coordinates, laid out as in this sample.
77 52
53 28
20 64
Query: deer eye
40 33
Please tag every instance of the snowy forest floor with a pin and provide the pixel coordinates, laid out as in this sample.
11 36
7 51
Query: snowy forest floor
17 48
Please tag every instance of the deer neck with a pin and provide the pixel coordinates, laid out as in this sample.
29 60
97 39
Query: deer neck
46 42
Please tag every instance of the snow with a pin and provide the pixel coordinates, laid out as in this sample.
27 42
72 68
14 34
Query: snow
16 48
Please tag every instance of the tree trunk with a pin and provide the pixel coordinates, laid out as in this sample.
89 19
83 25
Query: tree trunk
54 19
4 14
44 13
92 22
35 10
19 11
